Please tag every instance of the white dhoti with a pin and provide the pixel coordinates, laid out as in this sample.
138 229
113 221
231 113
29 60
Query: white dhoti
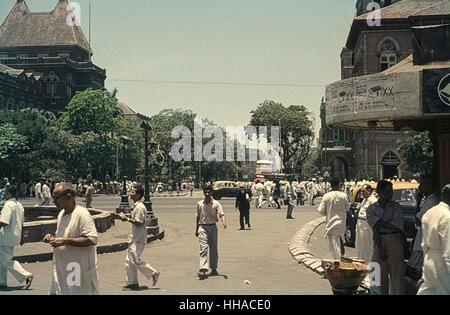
75 270
364 241
134 263
334 243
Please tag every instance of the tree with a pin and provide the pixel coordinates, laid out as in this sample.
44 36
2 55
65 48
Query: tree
313 163
91 110
297 133
93 116
417 152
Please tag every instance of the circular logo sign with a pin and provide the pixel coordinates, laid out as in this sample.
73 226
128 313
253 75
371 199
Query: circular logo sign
444 90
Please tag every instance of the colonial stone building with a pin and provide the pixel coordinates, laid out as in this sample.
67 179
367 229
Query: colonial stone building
369 50
52 46
19 89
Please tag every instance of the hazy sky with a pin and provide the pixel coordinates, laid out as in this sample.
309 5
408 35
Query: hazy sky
173 44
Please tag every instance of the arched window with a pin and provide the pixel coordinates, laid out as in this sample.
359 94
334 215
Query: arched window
389 52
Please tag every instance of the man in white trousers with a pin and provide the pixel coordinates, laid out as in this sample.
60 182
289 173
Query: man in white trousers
11 221
334 206
137 240
38 193
436 248
208 213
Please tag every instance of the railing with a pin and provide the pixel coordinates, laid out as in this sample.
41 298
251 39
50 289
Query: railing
33 61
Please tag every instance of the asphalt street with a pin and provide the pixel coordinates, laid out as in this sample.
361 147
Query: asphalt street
251 262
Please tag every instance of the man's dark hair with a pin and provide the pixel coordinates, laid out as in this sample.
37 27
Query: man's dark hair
140 191
12 189
382 185
368 187
335 182
445 194
208 187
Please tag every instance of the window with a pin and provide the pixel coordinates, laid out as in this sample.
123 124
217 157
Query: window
63 55
388 60
336 136
52 84
70 84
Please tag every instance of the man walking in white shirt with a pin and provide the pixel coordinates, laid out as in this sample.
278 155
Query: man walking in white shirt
137 240
46 194
11 222
289 196
436 248
38 193
74 246
208 213
334 206
415 262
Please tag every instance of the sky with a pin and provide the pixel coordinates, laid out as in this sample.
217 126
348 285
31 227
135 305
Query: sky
218 58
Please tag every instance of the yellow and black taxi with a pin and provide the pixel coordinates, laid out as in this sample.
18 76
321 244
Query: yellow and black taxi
405 193
225 189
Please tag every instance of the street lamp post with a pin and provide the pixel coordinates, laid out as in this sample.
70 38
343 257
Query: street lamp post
147 202
124 203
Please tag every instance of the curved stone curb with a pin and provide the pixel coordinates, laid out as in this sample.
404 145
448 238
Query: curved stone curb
298 247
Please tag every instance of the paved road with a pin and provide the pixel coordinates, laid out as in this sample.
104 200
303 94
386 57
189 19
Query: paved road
251 262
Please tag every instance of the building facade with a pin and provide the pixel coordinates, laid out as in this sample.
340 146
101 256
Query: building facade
370 49
19 89
53 46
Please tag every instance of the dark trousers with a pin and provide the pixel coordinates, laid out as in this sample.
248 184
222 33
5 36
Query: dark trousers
244 216
277 202
300 199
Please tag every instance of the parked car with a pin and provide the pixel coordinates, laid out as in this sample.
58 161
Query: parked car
404 193
225 189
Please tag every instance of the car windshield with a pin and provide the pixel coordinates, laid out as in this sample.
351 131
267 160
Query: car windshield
405 195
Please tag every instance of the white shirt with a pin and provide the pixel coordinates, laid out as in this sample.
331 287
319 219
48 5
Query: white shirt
365 204
334 206
38 188
289 191
138 234
46 194
436 248
428 203
207 212
12 214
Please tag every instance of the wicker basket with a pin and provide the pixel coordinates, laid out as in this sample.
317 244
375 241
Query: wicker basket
345 275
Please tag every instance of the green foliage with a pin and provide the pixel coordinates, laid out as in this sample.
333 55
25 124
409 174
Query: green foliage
91 110
11 142
417 152
313 163
297 132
